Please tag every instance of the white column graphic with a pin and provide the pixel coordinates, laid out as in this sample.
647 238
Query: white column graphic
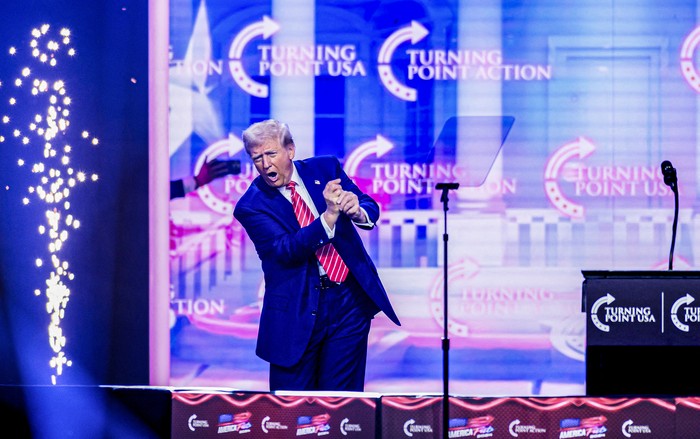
483 233
292 97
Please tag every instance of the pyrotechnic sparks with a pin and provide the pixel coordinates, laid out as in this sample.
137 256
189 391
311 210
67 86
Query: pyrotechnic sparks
39 125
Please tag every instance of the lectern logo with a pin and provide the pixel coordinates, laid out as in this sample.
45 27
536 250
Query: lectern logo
619 314
692 314
605 300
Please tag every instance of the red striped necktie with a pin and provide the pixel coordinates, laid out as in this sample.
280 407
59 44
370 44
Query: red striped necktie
327 255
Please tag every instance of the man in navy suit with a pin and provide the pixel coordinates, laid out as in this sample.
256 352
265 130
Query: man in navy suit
315 317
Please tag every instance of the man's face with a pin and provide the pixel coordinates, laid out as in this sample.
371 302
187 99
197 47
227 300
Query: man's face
273 162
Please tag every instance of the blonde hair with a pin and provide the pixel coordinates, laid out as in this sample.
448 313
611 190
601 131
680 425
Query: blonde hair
263 132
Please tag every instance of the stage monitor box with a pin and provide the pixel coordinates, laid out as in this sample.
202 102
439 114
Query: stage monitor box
642 333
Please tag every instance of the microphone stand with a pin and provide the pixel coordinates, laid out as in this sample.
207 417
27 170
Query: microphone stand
674 188
671 180
445 187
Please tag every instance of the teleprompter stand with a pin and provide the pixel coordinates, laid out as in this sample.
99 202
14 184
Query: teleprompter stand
445 188
474 142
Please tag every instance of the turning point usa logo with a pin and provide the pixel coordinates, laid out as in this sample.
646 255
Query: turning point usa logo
567 173
619 314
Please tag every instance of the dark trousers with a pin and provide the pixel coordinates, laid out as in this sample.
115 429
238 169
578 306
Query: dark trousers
336 356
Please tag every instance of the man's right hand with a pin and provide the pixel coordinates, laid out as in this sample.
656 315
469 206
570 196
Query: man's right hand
331 193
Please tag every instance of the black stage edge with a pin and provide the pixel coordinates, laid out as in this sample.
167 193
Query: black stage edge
643 356
85 412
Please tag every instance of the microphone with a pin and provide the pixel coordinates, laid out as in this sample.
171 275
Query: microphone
670 176
447 186
671 180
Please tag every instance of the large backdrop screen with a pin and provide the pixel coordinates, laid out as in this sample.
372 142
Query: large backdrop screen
553 119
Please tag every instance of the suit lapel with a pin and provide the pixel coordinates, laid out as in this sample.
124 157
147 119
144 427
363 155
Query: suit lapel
314 185
278 205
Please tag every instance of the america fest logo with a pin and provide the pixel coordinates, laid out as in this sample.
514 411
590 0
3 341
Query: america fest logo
343 60
318 425
229 423
569 180
591 428
478 427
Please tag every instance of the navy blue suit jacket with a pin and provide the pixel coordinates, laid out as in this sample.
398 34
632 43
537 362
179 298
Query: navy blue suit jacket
289 263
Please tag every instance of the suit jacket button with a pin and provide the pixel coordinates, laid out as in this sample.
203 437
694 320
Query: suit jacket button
313 313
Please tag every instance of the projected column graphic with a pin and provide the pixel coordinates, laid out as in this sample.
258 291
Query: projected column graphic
687 62
292 97
480 32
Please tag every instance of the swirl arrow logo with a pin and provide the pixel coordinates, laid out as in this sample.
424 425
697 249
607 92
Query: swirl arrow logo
511 428
685 300
605 300
230 146
378 147
687 64
413 33
580 148
625 426
265 28
457 272
407 427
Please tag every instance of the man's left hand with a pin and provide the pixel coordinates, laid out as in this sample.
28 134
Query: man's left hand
349 204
